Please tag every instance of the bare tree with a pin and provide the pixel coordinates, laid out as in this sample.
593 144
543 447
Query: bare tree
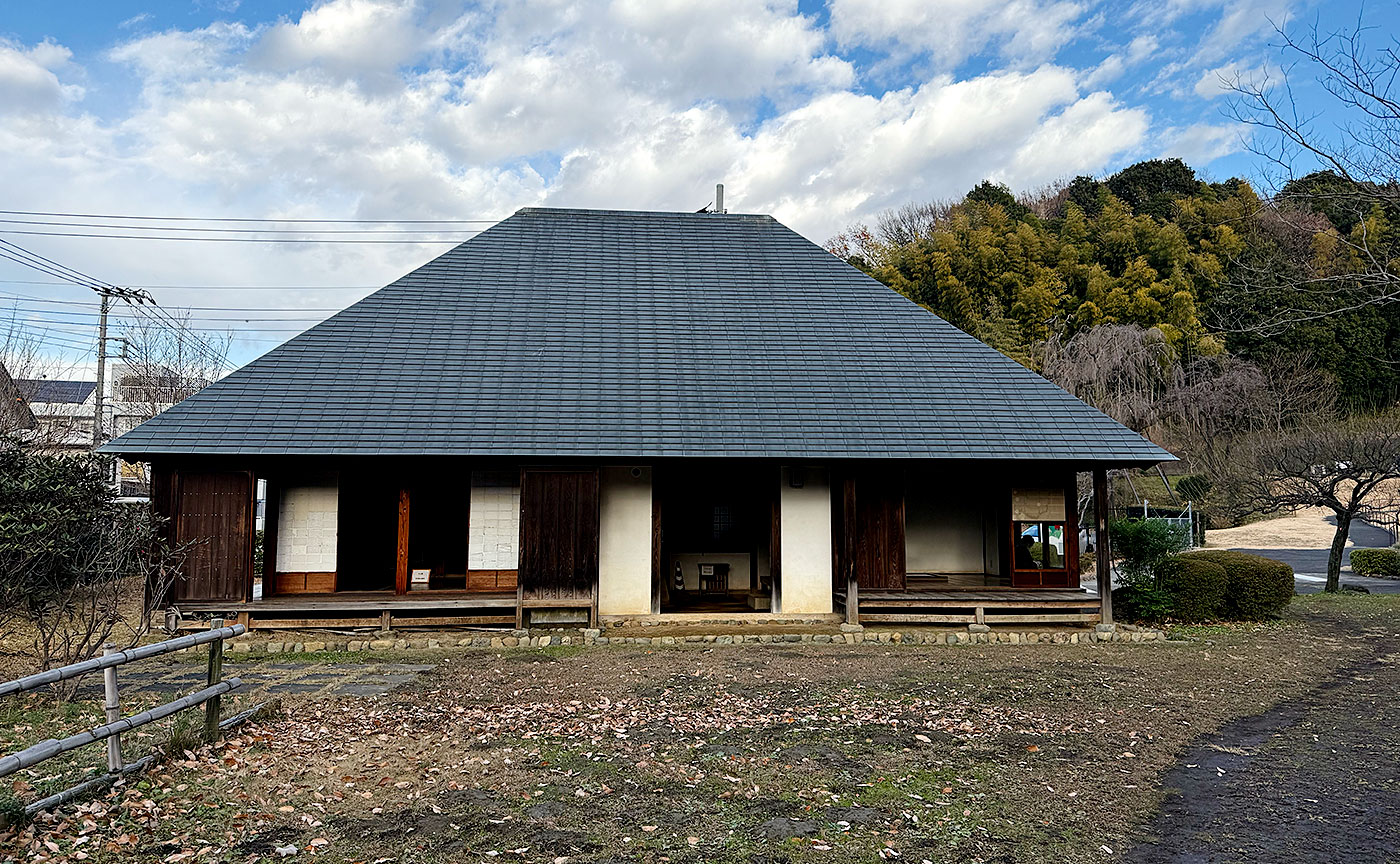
160 366
1349 260
1121 369
1347 466
117 572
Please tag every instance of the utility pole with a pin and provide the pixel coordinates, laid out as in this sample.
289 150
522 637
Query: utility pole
101 368
107 292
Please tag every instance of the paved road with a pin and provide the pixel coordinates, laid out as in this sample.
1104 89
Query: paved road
1310 565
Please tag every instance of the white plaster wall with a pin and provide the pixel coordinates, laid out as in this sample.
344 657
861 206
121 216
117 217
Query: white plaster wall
942 529
624 542
307 519
805 568
493 525
690 569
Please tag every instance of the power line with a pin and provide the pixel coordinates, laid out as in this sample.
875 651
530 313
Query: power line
86 311
107 289
253 219
219 230
216 287
43 315
225 239
33 265
45 300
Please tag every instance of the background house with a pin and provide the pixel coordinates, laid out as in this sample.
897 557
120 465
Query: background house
63 411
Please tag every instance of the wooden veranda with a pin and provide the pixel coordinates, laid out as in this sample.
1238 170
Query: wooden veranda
929 603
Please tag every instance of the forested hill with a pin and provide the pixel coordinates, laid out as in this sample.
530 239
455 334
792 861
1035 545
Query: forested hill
1208 265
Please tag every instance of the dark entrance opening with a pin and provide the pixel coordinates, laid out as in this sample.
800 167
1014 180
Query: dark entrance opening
716 529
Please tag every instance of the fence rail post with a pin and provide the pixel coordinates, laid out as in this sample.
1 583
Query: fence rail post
113 708
216 672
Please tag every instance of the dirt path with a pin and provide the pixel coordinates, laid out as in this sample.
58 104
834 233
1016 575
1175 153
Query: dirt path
1314 779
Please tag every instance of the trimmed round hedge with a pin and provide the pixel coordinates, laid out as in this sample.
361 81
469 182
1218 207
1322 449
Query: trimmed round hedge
1255 587
1194 588
1380 563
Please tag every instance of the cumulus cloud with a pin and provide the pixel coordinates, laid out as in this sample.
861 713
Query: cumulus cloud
422 109
29 80
1199 143
951 31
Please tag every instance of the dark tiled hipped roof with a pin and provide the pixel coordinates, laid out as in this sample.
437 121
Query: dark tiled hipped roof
628 334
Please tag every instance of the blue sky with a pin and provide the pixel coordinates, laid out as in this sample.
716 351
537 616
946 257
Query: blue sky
822 112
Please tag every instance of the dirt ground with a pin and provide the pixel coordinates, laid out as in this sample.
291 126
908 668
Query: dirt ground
805 753
1305 529
1314 775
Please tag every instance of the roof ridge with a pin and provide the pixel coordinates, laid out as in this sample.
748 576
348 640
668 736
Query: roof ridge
594 211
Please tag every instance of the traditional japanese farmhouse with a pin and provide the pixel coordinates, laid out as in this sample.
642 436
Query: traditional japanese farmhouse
583 414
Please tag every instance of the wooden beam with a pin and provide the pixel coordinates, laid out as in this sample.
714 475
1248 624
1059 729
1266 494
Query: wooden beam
1102 559
401 560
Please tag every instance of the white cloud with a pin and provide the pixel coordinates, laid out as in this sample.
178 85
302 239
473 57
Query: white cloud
1199 143
1112 67
950 31
423 109
28 79
352 38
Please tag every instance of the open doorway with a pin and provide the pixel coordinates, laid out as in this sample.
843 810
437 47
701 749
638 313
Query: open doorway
715 537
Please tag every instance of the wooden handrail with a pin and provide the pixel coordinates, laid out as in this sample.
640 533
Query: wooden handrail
31 756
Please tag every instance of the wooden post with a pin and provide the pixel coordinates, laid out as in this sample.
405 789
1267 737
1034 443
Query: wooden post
113 708
272 506
401 561
385 620
216 674
1101 553
852 598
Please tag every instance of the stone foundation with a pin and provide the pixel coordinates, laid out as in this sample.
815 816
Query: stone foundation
848 634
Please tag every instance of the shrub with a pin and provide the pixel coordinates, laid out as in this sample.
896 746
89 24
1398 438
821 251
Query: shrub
1141 602
1141 545
1194 588
1382 563
1256 587
1193 487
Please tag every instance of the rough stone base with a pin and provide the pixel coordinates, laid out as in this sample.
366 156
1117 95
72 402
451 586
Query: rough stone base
845 634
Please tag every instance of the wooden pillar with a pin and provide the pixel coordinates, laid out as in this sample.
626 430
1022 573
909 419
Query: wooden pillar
401 560
272 507
1102 558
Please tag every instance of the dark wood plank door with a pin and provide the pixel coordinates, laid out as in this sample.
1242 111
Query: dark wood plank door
558 534
213 524
877 549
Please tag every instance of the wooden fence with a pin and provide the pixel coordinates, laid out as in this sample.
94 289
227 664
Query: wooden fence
111 731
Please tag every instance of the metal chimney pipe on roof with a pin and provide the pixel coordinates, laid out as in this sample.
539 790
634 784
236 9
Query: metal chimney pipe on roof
719 197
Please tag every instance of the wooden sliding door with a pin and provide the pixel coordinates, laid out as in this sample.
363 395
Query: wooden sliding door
871 531
211 520
558 534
